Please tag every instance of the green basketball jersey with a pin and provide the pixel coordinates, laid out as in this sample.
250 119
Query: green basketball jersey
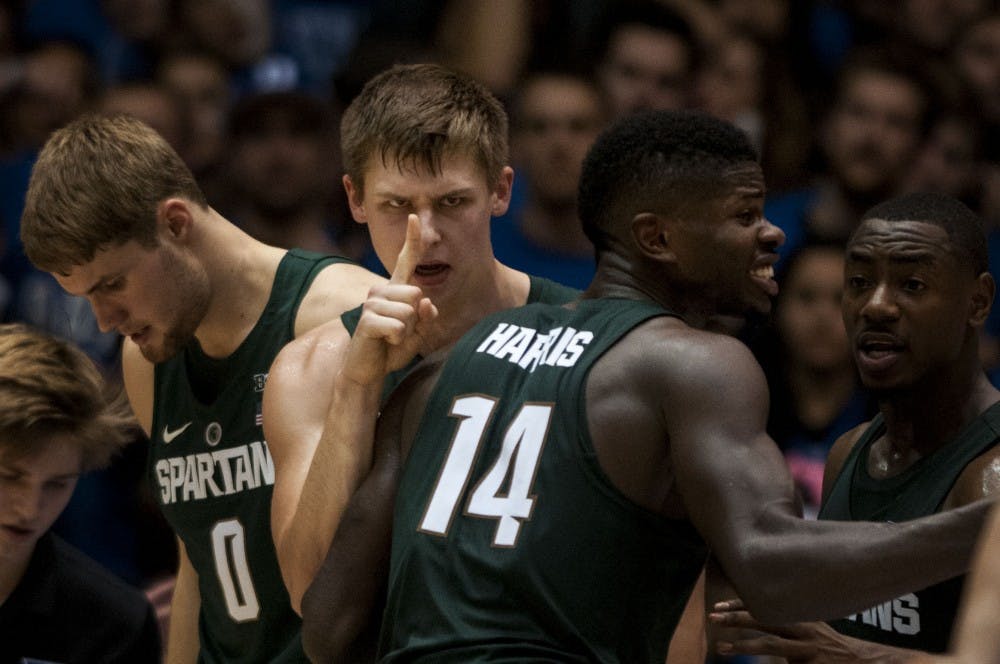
212 475
509 541
923 619
540 290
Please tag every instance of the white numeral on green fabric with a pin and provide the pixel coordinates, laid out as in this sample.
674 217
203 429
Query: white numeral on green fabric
230 552
504 490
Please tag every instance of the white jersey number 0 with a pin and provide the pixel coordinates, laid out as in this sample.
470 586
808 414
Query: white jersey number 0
230 553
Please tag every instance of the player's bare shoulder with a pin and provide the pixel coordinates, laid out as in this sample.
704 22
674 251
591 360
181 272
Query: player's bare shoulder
980 479
337 288
670 353
314 353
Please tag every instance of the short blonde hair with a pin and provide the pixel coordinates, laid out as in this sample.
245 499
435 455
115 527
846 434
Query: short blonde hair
48 387
97 183
415 115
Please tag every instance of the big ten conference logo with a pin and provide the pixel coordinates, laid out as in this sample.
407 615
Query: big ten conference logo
258 380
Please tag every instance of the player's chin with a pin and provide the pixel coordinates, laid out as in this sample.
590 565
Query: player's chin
758 304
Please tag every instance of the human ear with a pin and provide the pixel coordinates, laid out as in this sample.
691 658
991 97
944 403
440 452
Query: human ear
354 200
652 234
982 299
501 192
173 215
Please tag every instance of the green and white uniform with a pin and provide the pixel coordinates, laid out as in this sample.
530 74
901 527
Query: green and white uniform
540 290
510 544
213 476
920 620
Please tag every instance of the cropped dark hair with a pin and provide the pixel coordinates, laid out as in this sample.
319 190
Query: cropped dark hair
655 161
965 229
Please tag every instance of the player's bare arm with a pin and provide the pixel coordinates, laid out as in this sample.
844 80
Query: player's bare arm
185 604
320 406
337 288
342 598
738 493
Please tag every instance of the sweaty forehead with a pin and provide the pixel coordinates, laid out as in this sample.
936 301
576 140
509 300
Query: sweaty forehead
745 174
904 239
742 180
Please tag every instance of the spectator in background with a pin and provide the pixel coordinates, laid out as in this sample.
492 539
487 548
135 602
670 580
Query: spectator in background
977 60
283 157
869 138
555 117
933 25
951 158
647 56
730 84
201 82
58 81
815 393
155 105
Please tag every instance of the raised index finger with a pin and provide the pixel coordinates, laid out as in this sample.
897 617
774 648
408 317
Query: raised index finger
410 254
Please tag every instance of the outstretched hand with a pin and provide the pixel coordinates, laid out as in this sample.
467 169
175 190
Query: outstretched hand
799 643
395 318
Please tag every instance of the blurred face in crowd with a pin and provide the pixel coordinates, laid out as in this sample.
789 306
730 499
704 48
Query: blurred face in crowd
138 19
151 104
934 23
557 120
645 69
282 167
56 89
948 160
767 19
873 131
202 85
977 58
730 83
808 315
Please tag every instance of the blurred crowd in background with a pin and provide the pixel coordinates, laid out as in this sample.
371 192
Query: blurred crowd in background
849 102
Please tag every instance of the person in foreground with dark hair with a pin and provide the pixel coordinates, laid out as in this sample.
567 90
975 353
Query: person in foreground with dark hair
551 488
916 295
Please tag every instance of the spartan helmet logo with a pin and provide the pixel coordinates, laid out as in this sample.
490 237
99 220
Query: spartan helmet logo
213 434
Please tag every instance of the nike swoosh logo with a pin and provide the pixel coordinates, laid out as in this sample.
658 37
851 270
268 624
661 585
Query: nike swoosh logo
169 435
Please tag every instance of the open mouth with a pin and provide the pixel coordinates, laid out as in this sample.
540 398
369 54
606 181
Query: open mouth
764 275
431 274
877 354
430 270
